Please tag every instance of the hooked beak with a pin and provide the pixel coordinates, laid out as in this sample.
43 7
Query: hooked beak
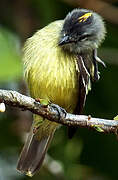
64 40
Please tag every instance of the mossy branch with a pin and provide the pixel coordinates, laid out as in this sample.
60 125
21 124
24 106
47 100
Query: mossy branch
55 113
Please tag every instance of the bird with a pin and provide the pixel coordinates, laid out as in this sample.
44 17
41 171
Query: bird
60 62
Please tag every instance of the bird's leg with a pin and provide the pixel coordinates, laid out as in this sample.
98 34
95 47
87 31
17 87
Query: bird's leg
44 102
61 112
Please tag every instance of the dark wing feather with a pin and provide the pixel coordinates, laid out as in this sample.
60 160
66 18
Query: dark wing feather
88 70
88 67
96 72
83 77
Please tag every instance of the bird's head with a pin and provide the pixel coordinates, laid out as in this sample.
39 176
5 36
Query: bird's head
82 30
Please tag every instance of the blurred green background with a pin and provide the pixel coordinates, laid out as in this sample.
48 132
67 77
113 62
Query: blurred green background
89 155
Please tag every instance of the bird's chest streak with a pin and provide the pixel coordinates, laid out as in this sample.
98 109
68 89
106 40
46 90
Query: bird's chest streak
57 81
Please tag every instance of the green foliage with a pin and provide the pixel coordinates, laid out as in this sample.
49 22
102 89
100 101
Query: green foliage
44 102
98 128
10 60
116 118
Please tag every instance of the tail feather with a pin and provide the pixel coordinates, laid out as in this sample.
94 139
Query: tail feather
33 154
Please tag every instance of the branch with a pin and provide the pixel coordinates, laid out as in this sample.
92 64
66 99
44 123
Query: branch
55 113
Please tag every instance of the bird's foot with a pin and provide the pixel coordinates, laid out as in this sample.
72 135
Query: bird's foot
61 111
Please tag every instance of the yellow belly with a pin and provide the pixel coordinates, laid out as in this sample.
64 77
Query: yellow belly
55 79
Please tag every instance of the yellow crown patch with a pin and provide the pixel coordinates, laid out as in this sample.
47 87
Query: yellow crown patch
84 17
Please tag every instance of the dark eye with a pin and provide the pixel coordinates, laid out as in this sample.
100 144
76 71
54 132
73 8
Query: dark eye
84 37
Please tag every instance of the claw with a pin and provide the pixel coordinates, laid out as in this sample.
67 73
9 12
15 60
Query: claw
61 111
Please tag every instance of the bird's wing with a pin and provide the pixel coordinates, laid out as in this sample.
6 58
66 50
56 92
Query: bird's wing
84 80
88 71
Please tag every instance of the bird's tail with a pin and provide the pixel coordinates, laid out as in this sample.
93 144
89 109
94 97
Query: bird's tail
33 153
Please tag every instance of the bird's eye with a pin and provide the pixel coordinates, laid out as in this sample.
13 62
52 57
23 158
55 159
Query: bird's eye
84 37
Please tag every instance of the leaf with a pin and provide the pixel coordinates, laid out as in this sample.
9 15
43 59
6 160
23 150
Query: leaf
44 102
116 118
98 128
10 60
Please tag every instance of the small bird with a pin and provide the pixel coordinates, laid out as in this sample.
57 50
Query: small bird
60 61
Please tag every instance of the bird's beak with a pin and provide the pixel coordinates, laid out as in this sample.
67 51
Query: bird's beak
64 40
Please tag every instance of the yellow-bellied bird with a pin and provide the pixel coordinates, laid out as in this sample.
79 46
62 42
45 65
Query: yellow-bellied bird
60 60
